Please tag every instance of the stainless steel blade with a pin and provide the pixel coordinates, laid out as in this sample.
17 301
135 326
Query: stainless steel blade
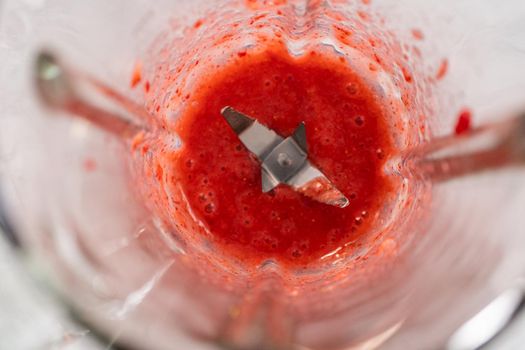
284 160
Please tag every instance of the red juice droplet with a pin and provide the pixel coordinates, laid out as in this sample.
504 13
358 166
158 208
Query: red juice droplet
136 76
198 24
443 70
418 34
464 122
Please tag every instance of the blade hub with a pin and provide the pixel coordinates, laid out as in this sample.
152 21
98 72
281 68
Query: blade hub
285 160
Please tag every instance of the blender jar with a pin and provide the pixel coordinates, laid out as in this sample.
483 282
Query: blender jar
439 251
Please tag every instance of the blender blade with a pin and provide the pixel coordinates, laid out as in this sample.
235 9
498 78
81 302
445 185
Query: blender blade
284 160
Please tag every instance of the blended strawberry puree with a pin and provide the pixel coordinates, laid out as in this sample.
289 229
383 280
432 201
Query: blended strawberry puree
210 186
348 140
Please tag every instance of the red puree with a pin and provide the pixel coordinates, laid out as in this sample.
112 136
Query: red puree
348 140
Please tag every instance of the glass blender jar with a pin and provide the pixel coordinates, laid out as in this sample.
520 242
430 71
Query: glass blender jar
70 195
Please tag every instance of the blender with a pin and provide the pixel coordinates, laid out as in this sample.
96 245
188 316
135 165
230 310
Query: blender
444 248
